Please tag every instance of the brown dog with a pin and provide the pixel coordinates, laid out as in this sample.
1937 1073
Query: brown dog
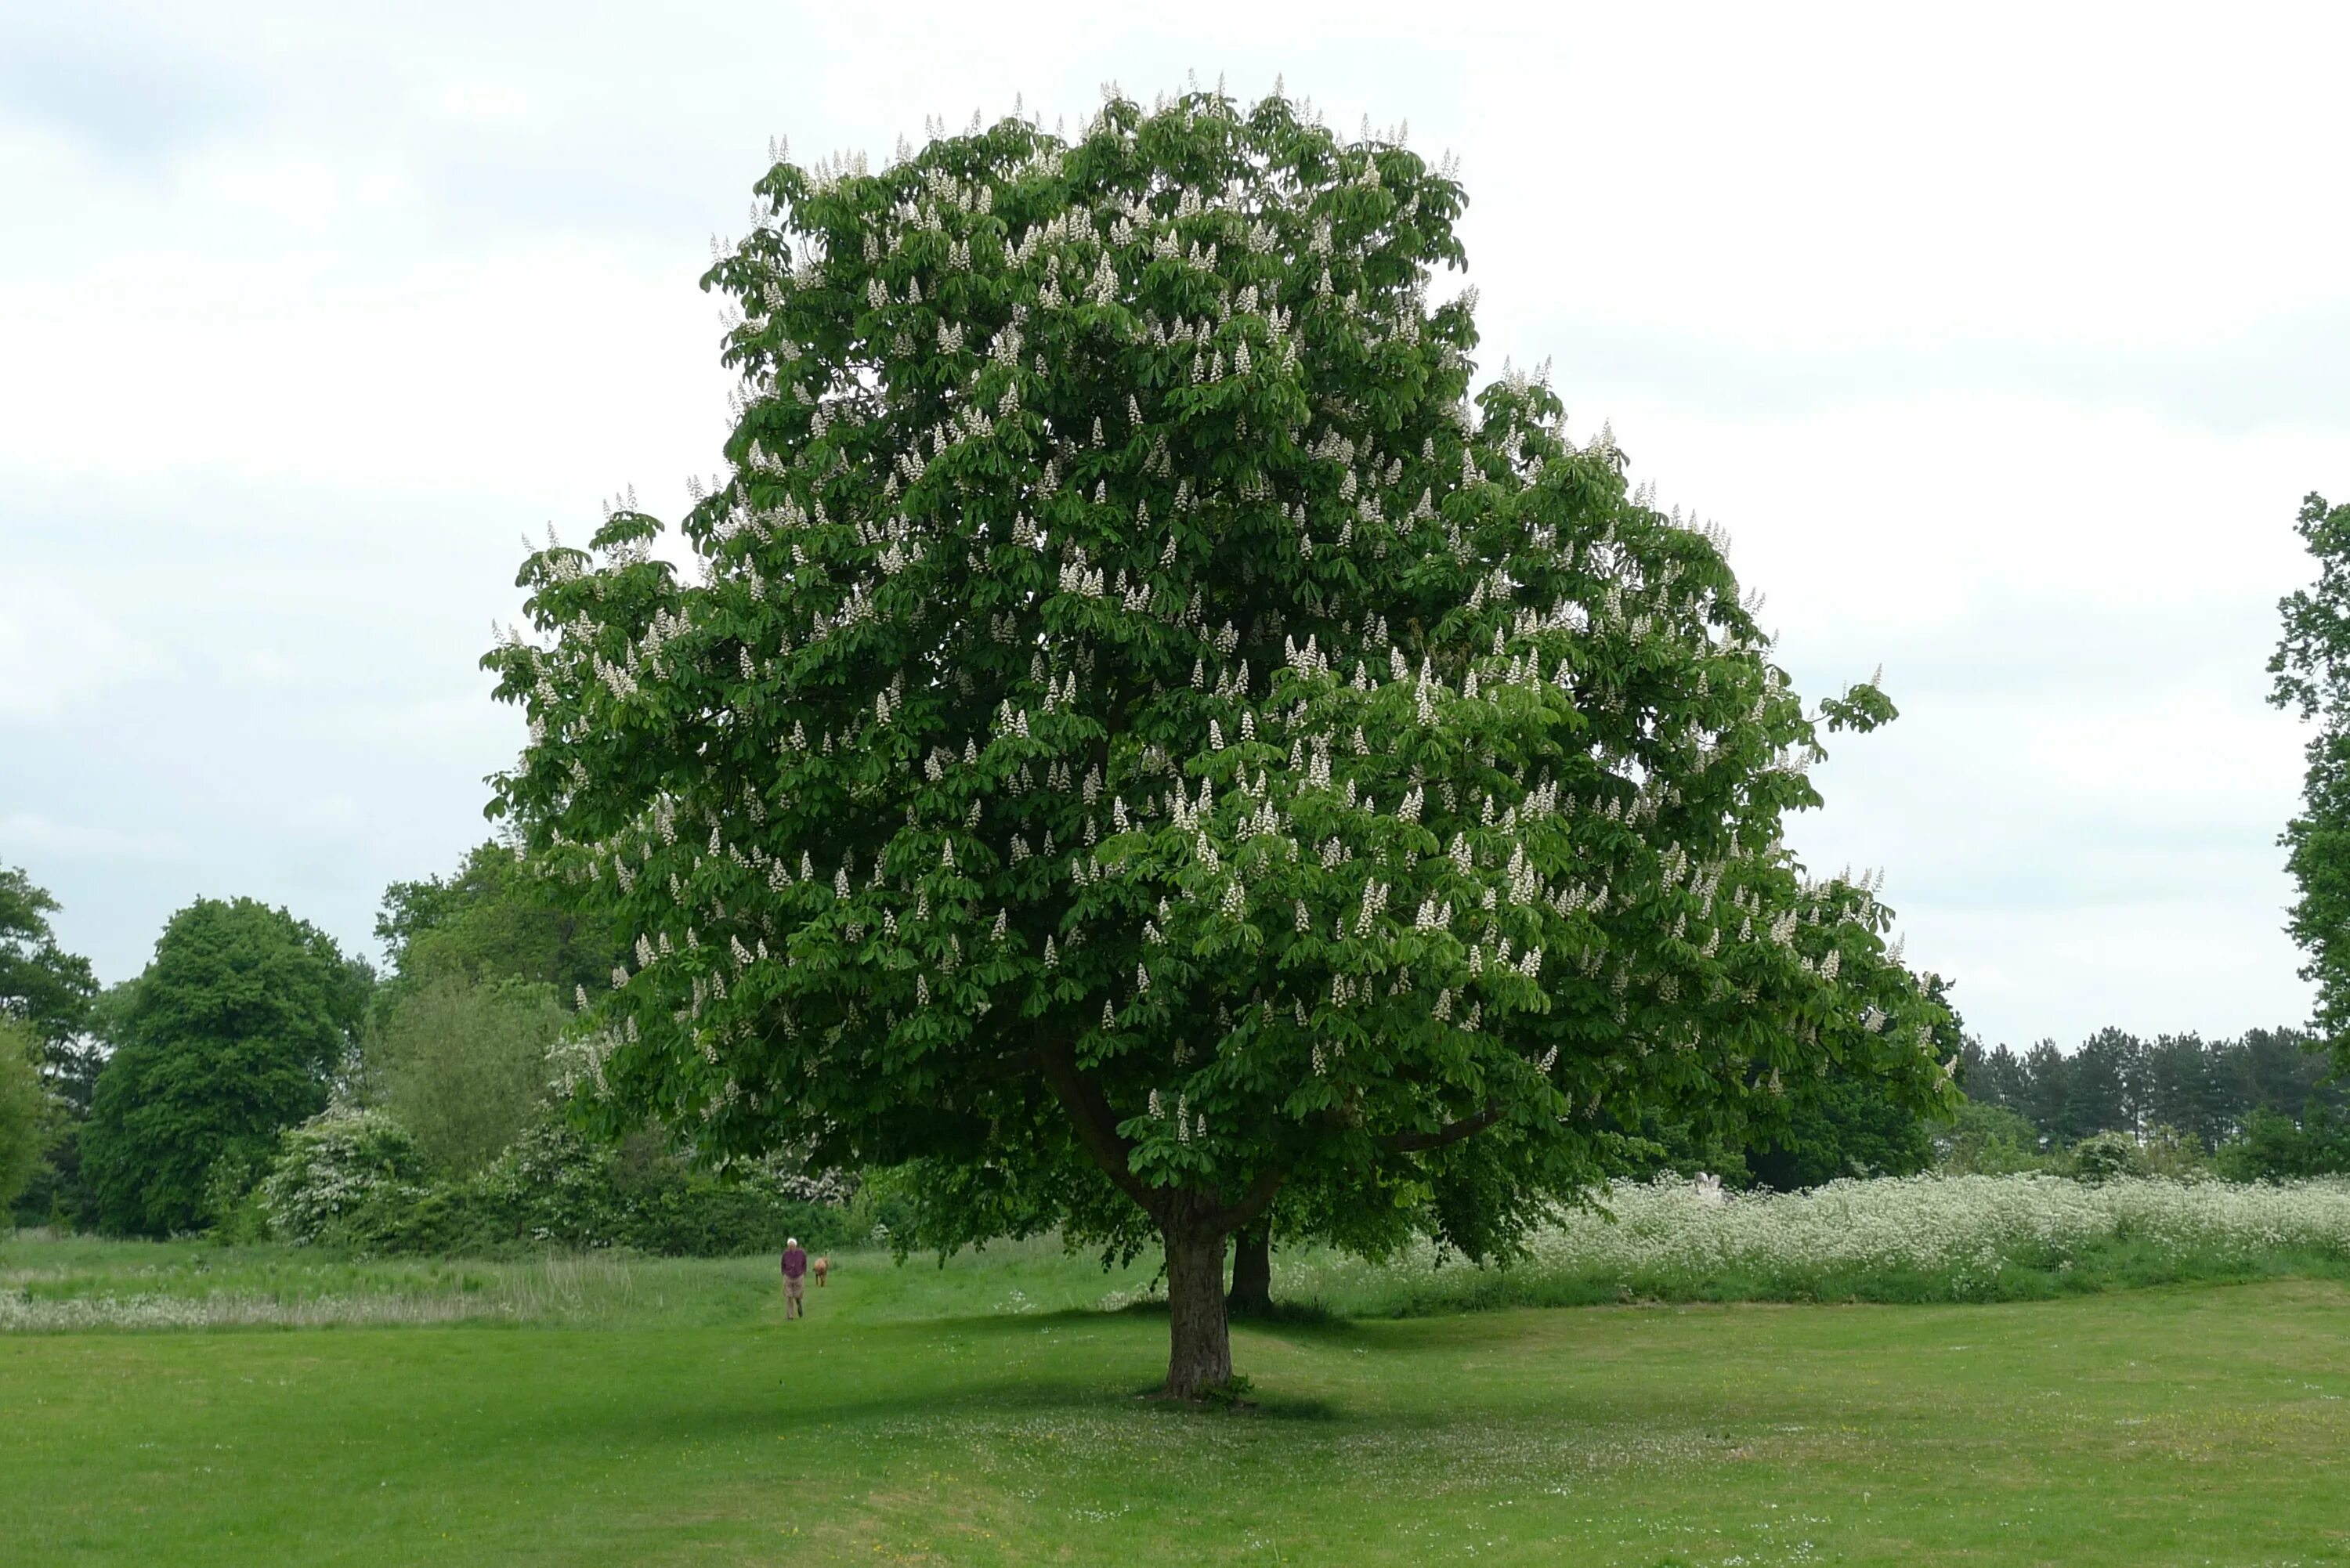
819 1267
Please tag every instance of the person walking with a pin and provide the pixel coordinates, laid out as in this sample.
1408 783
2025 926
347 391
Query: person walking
795 1278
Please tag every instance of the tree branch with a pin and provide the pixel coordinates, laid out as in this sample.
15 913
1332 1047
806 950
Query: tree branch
1468 1127
1252 1205
1097 1127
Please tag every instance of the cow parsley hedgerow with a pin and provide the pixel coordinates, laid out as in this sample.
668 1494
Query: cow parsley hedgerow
1677 1237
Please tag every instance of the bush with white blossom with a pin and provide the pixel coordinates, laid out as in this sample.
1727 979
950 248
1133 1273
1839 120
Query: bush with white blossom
337 1169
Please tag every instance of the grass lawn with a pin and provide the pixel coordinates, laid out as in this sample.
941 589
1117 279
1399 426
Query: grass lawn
2193 1425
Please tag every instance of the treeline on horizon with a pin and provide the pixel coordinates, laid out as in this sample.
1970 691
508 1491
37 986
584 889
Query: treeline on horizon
257 1081
2116 1082
254 1081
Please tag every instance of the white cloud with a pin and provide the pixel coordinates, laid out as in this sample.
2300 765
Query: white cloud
59 649
24 835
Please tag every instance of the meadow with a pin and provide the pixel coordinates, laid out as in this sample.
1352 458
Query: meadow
1925 1372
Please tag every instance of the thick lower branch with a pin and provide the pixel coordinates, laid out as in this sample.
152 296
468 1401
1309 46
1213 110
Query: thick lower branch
1251 1206
1097 1125
1468 1127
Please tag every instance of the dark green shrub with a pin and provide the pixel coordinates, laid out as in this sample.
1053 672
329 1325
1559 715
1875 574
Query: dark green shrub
2273 1148
1983 1139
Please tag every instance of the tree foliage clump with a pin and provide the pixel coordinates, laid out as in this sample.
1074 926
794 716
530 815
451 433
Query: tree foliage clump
1986 1139
2275 1148
46 988
464 1066
51 998
490 919
2311 671
1146 737
228 1037
1848 1130
25 1112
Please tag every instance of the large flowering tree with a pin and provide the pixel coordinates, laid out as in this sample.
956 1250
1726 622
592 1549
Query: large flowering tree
1146 737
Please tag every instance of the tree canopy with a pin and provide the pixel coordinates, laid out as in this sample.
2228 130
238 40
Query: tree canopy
228 1037
1146 737
41 985
492 919
482 963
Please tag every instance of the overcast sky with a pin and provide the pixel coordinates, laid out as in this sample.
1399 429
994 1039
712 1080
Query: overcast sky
2003 342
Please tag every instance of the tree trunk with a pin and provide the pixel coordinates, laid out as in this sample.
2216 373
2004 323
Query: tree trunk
1200 1341
1252 1272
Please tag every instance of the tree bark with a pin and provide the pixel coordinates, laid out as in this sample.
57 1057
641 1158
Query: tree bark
1192 1224
1200 1340
1252 1272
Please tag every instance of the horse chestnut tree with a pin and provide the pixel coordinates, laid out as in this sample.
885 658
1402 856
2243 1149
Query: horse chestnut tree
1147 735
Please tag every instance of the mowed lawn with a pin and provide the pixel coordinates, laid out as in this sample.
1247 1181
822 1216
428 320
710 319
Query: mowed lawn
2178 1426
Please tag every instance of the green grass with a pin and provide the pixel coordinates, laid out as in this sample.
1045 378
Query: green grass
81 1281
668 1415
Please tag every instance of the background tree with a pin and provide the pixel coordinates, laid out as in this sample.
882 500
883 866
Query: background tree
480 966
2049 1102
2310 674
2179 1088
2188 1087
1996 1077
462 1065
24 1108
45 987
493 919
2277 1148
229 1036
51 993
1984 1139
1148 740
2282 1070
2104 1084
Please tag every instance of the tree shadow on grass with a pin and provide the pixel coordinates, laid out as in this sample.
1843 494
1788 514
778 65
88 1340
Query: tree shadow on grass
1304 1323
944 1374
805 1405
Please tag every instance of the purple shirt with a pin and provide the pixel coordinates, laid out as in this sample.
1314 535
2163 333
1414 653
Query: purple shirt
795 1262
